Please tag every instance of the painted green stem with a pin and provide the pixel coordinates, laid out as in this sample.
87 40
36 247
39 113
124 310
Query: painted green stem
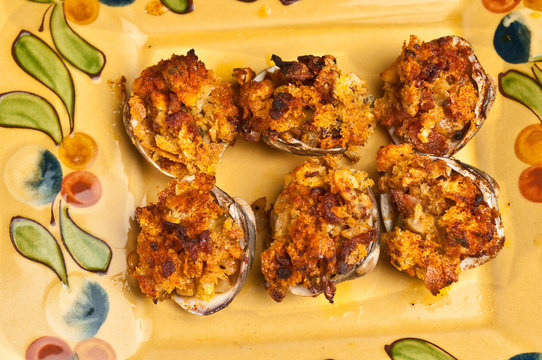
25 110
179 6
40 61
76 50
89 252
522 88
416 349
35 242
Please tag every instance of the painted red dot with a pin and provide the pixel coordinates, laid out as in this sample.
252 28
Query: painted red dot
81 189
530 183
49 348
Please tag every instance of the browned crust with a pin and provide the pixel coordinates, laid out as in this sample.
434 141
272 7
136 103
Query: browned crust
188 243
308 100
442 217
183 115
323 226
436 95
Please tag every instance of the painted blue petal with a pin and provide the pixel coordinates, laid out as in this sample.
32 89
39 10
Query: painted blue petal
512 39
90 310
47 178
527 356
117 2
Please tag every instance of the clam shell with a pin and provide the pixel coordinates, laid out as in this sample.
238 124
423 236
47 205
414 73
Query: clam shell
127 122
242 213
487 185
486 96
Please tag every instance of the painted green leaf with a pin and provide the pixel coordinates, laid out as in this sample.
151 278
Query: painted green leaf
179 6
35 242
522 88
76 50
537 73
416 349
40 61
25 110
89 252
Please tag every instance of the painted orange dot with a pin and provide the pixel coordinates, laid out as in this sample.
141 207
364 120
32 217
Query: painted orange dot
78 151
530 183
81 189
533 4
528 145
82 12
94 349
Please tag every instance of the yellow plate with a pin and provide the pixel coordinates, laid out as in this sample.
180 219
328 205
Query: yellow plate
493 312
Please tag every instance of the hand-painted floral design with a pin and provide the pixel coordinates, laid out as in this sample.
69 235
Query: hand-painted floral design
89 252
158 7
514 40
41 185
79 312
42 179
500 6
54 348
33 175
411 348
33 241
527 90
527 356
419 349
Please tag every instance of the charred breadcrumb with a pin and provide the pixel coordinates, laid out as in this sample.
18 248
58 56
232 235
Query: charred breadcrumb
442 217
183 115
309 100
322 226
430 96
188 243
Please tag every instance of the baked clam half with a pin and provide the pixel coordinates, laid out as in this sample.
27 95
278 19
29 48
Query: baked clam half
436 95
441 216
180 116
196 245
325 230
305 107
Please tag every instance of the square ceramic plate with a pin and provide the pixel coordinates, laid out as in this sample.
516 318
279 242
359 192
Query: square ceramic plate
493 312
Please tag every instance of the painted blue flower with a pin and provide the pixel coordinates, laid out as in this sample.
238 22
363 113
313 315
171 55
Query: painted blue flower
528 356
513 39
89 311
116 2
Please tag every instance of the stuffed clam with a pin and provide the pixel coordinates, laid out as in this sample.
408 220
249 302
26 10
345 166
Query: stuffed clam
441 215
306 107
196 245
180 116
325 230
436 95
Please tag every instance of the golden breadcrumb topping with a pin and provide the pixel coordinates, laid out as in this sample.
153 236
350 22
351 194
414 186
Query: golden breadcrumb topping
309 100
429 94
188 243
183 115
322 226
442 217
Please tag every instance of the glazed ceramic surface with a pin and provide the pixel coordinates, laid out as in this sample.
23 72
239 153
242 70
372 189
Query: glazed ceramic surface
71 180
